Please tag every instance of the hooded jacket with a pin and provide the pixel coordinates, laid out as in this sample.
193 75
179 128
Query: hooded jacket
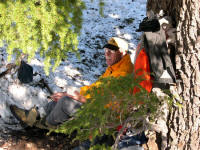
121 68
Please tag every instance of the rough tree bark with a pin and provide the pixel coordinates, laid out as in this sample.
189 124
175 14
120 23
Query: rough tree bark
184 122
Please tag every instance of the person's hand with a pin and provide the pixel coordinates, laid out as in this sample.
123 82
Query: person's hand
79 97
76 96
58 95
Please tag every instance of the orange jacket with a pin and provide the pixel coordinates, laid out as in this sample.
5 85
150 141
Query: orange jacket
142 69
122 68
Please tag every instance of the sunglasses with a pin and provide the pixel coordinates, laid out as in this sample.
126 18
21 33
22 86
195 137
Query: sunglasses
109 51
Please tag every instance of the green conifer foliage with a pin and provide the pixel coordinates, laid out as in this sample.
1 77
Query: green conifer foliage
50 27
110 105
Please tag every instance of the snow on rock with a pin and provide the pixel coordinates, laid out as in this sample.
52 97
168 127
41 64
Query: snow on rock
121 19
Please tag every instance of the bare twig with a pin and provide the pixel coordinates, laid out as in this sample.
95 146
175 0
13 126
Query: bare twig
9 68
44 84
128 120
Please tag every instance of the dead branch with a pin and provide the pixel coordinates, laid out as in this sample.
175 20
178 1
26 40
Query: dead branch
44 84
9 68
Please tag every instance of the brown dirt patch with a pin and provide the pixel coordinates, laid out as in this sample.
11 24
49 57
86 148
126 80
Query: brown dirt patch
36 139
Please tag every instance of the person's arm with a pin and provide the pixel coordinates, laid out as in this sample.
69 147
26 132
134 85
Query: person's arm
76 96
79 97
59 95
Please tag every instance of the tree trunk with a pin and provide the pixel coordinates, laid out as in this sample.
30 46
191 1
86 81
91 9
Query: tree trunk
184 121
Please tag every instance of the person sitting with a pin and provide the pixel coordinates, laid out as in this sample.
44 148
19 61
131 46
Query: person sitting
66 104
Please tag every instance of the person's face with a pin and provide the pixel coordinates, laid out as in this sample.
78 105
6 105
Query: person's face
112 56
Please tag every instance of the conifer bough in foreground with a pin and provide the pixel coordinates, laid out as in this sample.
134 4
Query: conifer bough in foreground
48 27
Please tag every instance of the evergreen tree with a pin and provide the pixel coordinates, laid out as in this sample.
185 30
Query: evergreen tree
49 27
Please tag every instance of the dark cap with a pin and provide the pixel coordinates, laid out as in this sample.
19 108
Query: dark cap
112 47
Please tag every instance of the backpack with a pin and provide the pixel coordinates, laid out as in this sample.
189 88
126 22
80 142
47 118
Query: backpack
152 59
25 73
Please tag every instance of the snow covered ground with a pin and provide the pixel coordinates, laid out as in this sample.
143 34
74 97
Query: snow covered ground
121 19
